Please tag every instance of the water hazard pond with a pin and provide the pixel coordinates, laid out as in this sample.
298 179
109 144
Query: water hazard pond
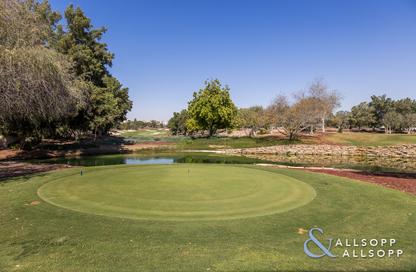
362 163
151 158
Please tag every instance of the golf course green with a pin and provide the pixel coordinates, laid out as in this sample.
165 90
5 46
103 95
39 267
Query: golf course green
178 192
216 218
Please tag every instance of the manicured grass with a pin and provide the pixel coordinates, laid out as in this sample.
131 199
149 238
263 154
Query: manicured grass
177 192
370 139
148 135
346 138
43 237
187 143
229 142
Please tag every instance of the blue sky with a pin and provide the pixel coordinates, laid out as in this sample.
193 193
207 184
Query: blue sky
166 49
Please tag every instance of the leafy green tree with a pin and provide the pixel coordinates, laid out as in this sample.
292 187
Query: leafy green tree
341 120
130 125
252 118
82 43
380 105
108 101
405 106
211 108
177 124
104 110
392 120
362 115
121 95
409 122
138 124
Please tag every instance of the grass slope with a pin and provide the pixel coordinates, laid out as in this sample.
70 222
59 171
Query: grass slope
43 237
347 138
230 142
370 139
187 143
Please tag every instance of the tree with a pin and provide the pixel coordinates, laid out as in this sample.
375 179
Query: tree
82 43
380 105
177 124
409 122
252 118
384 111
362 115
55 78
275 110
341 120
405 106
211 108
392 120
104 110
295 119
138 124
121 95
324 100
26 23
91 58
37 88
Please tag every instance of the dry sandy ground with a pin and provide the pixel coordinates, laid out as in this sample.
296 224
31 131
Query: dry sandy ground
14 169
400 181
10 154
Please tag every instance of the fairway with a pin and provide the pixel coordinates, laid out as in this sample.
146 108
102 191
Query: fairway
370 139
178 192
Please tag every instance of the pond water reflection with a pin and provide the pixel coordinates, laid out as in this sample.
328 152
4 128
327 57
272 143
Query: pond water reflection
353 162
152 158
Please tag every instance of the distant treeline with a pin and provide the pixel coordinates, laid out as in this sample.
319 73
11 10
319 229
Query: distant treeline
138 124
380 112
212 108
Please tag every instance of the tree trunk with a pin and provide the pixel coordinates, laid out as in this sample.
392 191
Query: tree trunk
211 131
323 124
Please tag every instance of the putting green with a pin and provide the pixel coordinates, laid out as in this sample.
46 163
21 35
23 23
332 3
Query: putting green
178 192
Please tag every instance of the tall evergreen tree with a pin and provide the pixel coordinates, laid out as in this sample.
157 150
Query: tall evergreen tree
108 101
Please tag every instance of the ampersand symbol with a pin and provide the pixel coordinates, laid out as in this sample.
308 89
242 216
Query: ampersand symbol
319 244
